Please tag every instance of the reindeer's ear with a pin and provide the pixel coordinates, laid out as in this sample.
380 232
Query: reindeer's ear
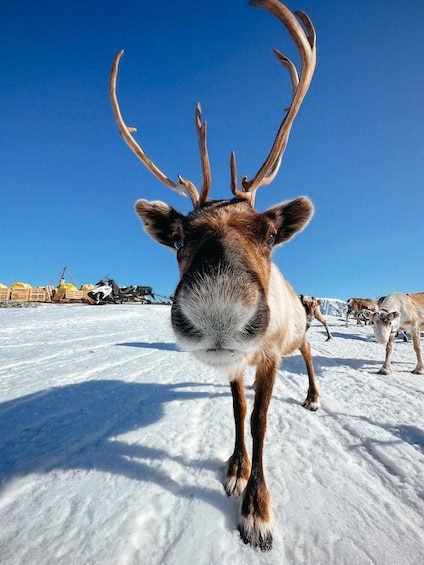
161 221
393 315
290 217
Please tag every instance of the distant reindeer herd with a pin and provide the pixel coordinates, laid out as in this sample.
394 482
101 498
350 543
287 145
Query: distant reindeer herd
232 307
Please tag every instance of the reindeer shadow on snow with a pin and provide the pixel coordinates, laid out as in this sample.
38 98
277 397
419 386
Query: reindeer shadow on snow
399 433
293 364
78 427
149 345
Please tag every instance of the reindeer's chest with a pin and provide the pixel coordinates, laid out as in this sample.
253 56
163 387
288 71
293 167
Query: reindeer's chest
288 317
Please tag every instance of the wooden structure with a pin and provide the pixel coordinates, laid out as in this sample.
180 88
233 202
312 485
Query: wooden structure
42 294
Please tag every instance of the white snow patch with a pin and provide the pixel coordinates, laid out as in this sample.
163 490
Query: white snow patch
112 445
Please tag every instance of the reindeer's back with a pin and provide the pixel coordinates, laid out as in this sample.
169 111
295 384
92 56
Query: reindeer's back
417 300
410 307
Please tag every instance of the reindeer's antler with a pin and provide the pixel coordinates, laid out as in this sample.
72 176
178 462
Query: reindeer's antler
126 132
306 44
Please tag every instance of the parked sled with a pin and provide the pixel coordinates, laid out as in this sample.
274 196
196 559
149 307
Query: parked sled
107 291
137 294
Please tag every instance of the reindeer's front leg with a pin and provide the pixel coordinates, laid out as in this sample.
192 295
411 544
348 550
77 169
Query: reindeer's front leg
419 369
312 398
386 369
238 466
347 316
256 518
324 323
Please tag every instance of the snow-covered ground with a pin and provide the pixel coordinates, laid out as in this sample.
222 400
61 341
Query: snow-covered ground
112 444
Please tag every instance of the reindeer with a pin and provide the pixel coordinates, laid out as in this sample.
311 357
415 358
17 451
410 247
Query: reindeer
357 305
398 334
312 309
398 312
232 307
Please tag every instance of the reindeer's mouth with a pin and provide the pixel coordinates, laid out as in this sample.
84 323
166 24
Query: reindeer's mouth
219 357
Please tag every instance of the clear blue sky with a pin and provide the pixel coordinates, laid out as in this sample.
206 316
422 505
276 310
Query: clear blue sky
68 182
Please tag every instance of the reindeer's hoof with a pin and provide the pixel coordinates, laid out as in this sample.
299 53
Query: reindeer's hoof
384 371
237 472
256 532
235 486
418 371
311 405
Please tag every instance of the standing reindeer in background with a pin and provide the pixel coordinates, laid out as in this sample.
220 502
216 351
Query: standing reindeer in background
232 307
312 309
357 305
396 313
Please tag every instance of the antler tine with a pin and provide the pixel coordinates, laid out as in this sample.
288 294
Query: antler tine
126 133
201 128
306 45
249 196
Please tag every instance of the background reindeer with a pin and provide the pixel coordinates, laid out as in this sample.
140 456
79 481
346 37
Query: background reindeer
312 309
399 313
232 306
357 305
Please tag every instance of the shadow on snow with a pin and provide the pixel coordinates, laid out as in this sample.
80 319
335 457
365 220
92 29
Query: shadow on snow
163 346
78 427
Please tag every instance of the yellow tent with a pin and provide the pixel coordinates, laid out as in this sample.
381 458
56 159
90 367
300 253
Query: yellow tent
68 286
20 285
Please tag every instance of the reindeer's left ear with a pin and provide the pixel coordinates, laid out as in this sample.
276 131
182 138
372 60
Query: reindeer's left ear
290 217
161 221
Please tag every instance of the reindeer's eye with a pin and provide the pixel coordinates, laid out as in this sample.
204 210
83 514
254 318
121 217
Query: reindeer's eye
271 239
178 244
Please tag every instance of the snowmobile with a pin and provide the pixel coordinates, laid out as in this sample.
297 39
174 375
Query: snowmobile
106 291
137 294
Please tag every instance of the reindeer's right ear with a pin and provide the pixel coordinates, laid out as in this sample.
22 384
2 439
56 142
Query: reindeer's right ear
161 221
392 316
